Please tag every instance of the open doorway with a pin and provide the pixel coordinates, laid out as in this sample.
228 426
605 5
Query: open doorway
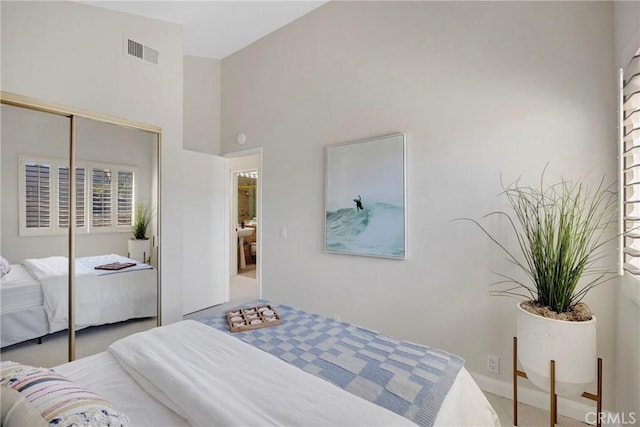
247 221
245 226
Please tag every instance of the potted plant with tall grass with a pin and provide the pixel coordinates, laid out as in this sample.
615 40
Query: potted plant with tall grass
139 244
561 232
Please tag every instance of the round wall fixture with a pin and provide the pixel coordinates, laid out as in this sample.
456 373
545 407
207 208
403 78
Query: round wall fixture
241 138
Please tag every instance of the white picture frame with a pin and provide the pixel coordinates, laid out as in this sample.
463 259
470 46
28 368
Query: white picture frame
365 197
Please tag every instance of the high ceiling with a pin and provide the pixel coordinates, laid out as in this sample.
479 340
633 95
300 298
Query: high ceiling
216 29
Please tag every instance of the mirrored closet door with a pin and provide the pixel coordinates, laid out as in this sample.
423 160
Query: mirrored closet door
116 260
34 147
112 197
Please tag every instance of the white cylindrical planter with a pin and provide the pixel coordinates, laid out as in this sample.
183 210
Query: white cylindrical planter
140 249
572 345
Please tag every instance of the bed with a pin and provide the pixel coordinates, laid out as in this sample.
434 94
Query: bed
34 299
198 373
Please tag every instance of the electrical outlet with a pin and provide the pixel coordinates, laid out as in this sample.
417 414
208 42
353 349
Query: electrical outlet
493 363
336 317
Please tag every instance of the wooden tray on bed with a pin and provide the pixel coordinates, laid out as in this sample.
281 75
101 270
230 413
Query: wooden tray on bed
247 318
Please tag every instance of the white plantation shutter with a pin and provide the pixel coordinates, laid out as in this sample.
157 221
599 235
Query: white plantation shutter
101 197
63 197
81 197
125 198
631 165
37 195
105 196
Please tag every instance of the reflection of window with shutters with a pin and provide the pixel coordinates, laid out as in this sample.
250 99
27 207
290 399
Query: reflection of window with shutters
125 198
63 197
37 190
104 193
101 198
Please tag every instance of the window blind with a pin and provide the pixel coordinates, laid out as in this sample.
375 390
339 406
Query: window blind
101 197
631 165
37 195
125 198
63 197
104 199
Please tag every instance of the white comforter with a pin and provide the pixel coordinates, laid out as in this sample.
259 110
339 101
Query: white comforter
52 272
99 299
211 378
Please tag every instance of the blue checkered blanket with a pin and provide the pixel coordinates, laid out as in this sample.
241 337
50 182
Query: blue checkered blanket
409 379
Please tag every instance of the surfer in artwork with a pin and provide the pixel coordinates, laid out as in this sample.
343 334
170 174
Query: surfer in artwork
358 202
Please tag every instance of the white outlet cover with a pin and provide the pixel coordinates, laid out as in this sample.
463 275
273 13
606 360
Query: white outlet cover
493 364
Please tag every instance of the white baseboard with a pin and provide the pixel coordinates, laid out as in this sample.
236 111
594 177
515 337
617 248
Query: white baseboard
537 398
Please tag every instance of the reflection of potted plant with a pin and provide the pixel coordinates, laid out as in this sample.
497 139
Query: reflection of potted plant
561 232
139 244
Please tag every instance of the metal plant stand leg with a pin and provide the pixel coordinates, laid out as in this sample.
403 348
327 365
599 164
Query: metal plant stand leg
553 416
515 381
552 394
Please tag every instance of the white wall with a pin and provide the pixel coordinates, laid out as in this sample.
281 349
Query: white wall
627 30
202 104
628 347
72 54
481 89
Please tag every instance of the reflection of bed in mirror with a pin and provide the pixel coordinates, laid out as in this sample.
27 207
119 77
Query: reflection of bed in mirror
34 295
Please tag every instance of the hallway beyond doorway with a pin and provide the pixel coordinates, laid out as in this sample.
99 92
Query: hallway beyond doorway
244 287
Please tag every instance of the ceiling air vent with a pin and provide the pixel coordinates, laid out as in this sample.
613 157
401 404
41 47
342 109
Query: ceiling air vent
135 49
141 51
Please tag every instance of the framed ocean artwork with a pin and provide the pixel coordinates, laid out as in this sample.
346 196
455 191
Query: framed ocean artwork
365 197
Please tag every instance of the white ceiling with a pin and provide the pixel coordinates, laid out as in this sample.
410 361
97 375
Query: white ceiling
215 29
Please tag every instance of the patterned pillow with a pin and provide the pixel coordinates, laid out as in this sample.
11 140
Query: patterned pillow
39 396
5 267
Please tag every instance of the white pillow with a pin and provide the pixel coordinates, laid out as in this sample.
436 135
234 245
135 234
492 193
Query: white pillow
5 267
40 397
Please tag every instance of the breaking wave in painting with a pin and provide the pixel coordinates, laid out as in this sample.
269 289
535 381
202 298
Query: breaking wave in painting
377 230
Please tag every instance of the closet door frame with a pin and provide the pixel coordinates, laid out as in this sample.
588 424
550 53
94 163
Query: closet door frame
21 101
